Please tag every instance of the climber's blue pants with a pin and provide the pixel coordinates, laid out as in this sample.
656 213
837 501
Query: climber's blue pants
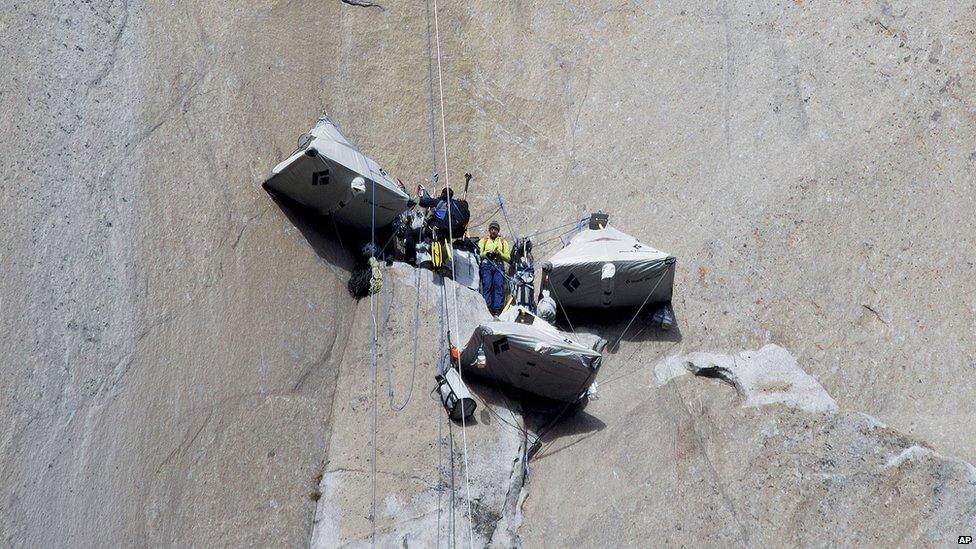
493 285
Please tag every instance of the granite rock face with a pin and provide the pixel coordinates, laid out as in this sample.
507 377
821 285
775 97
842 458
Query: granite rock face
169 334
423 480
771 463
768 376
177 345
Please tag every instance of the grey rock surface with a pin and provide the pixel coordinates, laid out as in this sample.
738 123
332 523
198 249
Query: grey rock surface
418 505
175 342
168 333
767 376
696 463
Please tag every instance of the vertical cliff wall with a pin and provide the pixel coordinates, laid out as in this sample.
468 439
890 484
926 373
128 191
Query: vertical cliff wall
170 334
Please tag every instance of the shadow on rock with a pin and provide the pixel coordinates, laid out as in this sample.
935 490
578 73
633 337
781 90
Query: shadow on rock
546 420
330 242
579 423
614 325
577 426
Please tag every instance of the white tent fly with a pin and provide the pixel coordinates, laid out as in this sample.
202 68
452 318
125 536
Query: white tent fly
604 267
328 174
526 352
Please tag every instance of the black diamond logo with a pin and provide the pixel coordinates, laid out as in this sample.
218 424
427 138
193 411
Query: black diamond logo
571 283
637 246
500 346
320 178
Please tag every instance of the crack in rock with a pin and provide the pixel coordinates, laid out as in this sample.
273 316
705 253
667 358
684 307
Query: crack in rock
363 4
115 41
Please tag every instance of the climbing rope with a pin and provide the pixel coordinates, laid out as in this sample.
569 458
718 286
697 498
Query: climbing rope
617 342
548 427
389 361
440 473
430 101
442 353
627 327
375 284
376 276
444 361
555 296
639 365
451 451
570 224
501 205
485 219
639 309
443 305
447 182
560 237
337 233
508 405
372 311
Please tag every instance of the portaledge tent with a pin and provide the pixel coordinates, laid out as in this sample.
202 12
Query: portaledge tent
603 267
528 353
330 175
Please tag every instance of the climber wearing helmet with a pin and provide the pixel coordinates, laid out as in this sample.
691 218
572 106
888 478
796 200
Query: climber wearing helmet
495 252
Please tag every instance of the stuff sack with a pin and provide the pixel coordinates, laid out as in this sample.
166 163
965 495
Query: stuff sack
436 254
460 218
466 272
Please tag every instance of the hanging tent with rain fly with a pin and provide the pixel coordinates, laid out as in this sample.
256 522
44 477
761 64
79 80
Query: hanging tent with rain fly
602 267
330 175
526 352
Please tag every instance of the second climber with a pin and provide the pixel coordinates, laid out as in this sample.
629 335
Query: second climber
495 252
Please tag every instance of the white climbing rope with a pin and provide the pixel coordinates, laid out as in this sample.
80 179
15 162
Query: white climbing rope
441 484
372 312
447 183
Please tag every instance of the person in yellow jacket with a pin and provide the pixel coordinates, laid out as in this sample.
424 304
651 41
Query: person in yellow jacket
495 252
